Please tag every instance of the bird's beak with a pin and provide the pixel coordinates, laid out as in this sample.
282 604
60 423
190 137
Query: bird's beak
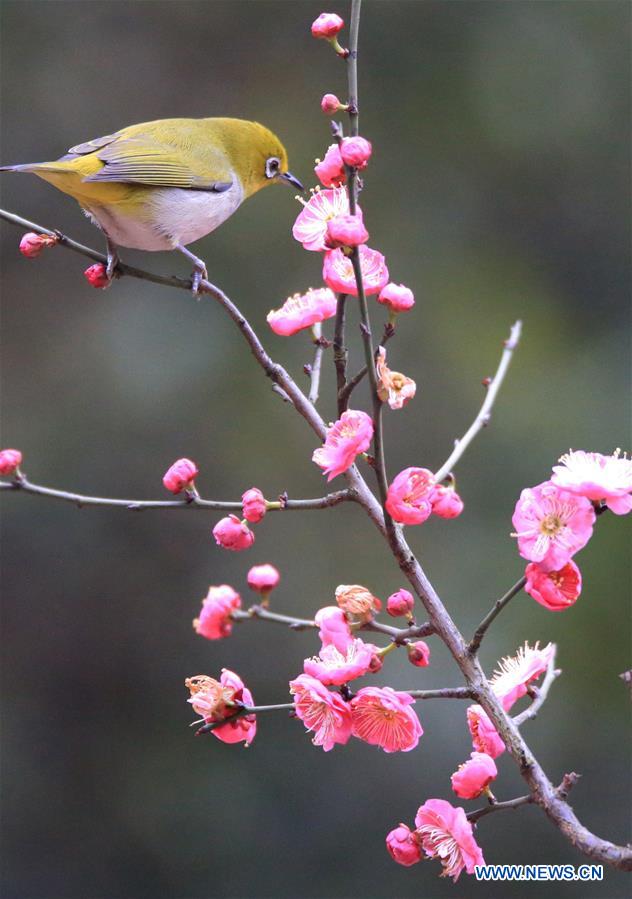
289 179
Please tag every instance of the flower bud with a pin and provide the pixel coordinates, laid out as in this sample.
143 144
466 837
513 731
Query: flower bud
403 847
263 578
397 297
418 654
327 25
233 534
446 502
356 151
32 244
473 776
331 170
10 459
400 603
180 476
330 104
96 276
346 231
254 505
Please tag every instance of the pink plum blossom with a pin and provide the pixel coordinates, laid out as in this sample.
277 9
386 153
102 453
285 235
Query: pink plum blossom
180 476
515 673
485 737
339 275
253 505
216 700
96 276
215 619
356 151
243 728
445 833
233 534
263 578
346 231
302 311
10 460
310 227
597 477
418 653
382 717
334 628
32 244
397 297
400 603
347 438
552 524
327 25
393 387
323 712
402 846
330 170
446 502
555 590
357 602
408 499
473 776
332 667
330 104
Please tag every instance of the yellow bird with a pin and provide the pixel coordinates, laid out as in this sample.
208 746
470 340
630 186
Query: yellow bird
165 184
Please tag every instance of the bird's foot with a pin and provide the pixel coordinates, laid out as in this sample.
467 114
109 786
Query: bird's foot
113 260
199 273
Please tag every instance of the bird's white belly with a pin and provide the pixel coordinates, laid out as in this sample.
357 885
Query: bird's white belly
171 216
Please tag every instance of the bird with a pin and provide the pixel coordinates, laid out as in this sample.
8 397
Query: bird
164 184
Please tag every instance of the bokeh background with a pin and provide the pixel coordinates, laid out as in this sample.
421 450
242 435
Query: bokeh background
499 189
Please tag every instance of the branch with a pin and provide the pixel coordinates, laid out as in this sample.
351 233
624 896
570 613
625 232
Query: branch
192 501
496 609
347 390
340 351
568 782
313 370
484 416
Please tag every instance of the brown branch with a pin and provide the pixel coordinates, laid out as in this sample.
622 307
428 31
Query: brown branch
347 390
313 370
496 609
568 782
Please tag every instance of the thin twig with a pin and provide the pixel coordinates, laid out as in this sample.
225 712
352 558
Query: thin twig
484 416
314 368
541 693
495 610
350 386
340 351
479 813
443 693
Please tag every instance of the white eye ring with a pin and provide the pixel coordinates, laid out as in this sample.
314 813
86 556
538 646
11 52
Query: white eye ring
272 166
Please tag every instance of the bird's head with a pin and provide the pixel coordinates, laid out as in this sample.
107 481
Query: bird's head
257 155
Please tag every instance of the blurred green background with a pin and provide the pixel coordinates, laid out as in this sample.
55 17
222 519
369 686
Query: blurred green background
499 189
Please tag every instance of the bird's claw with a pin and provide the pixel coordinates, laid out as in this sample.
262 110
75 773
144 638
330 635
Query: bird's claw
198 275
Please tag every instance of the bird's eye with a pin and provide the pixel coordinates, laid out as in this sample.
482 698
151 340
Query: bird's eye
272 167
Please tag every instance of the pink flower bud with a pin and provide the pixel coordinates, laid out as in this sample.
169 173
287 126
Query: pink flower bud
96 276
418 654
397 297
333 627
446 502
555 590
10 459
400 603
32 244
330 104
403 847
346 231
355 152
473 776
254 505
408 499
338 271
331 170
327 25
215 621
233 534
180 476
263 578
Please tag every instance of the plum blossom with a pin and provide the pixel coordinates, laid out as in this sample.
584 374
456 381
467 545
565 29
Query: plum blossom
332 667
216 700
10 460
552 524
473 777
446 502
356 151
339 275
180 476
597 477
400 603
408 499
393 387
403 846
357 602
514 673
397 297
263 578
215 619
346 438
254 505
445 833
330 171
323 712
485 737
233 534
302 311
310 227
555 590
334 628
382 717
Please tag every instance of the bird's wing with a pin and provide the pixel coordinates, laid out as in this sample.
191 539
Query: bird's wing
143 160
